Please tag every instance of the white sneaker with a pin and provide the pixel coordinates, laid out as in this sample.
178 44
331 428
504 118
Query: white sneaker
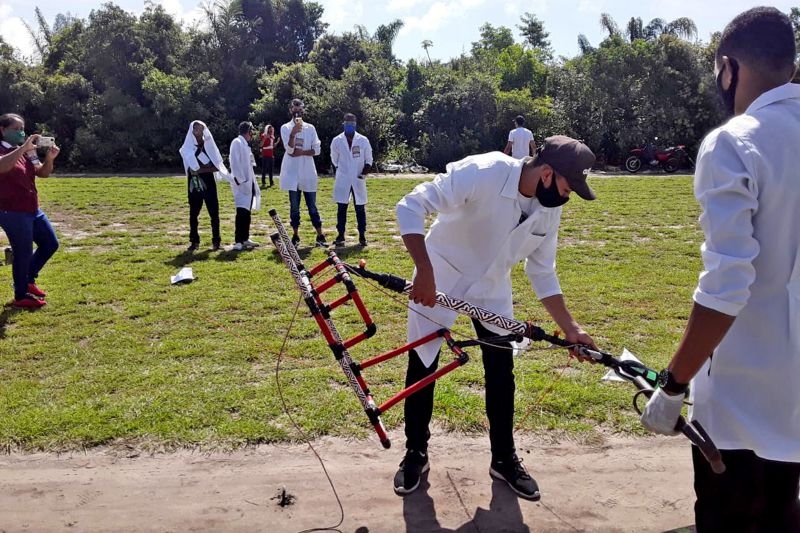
238 247
251 244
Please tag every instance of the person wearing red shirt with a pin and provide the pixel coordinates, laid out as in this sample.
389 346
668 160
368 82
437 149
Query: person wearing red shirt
268 143
20 217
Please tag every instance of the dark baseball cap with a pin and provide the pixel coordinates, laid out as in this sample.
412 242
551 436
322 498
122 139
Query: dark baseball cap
569 158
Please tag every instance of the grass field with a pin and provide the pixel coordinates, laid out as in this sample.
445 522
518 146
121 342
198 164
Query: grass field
119 355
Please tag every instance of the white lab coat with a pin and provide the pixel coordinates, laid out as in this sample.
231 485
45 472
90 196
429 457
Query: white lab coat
477 237
246 193
748 185
349 162
299 173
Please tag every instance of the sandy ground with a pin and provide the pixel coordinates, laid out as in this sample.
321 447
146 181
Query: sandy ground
622 485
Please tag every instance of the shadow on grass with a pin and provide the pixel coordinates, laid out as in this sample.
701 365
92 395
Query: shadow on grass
351 251
231 255
5 318
187 258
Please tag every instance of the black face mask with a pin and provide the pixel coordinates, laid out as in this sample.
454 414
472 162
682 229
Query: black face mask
549 196
728 96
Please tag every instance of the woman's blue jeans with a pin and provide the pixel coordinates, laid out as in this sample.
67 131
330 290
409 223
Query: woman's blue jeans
22 230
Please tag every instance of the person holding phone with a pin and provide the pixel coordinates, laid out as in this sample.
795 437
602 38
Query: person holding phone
298 172
268 154
20 216
202 160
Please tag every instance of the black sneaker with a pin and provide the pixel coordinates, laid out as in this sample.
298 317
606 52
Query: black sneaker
362 239
321 241
512 472
192 247
339 241
295 240
407 478
216 246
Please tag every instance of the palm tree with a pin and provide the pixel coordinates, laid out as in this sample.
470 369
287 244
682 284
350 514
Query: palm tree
635 29
427 43
609 24
682 27
386 34
43 36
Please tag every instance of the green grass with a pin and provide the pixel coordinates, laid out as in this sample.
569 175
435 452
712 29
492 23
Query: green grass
119 355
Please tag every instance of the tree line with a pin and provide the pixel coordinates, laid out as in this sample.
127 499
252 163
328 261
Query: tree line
119 90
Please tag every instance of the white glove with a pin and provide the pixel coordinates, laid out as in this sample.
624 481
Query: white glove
662 412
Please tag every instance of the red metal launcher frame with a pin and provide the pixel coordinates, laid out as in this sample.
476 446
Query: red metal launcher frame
321 311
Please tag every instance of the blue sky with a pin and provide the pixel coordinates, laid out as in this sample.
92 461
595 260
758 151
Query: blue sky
452 25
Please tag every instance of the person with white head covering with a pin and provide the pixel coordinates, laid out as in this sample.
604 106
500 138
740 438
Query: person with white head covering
202 160
246 193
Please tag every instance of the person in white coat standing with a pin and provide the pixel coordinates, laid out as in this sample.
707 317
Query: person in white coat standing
741 346
298 172
493 212
351 154
246 193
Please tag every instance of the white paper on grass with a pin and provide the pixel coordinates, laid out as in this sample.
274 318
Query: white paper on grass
626 356
183 275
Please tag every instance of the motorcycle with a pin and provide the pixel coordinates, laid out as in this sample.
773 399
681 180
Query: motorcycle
669 159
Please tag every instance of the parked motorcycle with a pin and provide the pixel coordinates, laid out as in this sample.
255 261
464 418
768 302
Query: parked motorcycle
395 167
669 159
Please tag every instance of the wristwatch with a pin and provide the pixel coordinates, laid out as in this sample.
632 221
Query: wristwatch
667 382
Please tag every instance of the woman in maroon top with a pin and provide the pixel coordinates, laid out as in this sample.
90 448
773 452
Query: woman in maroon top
268 154
20 216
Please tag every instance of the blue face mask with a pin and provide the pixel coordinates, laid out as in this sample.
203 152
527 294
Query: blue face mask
349 128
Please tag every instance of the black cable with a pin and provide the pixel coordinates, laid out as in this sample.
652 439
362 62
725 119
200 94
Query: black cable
303 434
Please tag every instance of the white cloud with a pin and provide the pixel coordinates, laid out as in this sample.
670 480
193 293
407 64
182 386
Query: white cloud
343 14
403 5
14 32
518 7
591 6
187 17
438 15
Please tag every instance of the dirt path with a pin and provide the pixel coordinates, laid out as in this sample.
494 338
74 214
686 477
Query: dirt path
625 485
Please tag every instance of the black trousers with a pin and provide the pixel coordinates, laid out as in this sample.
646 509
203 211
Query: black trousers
242 224
361 216
754 495
498 368
196 200
267 165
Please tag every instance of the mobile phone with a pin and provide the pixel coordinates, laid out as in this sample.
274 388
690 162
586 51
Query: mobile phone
45 142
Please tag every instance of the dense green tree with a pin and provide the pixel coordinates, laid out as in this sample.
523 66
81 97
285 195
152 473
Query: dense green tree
118 90
493 40
532 30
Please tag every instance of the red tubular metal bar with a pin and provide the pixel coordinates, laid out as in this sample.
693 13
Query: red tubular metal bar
401 350
327 285
403 394
361 308
349 343
336 303
319 268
